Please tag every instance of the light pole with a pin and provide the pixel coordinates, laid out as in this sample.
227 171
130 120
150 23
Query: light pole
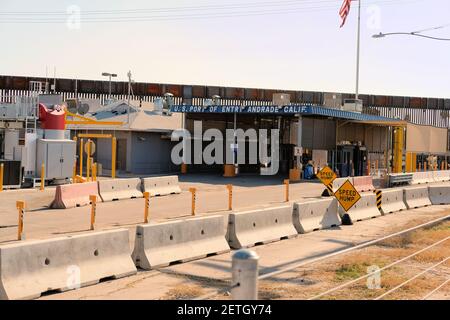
110 75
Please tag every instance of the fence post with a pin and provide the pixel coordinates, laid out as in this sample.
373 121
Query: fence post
244 284
230 197
94 172
42 176
21 208
193 191
147 205
286 183
93 199
2 170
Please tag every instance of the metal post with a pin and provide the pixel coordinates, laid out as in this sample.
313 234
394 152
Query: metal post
286 183
42 176
358 50
21 208
2 169
88 160
146 206
81 157
244 284
94 172
193 192
74 173
113 157
93 199
230 197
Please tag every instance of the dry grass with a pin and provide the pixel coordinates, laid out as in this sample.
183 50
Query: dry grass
184 292
309 281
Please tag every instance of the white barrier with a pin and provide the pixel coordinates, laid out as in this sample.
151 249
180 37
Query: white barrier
158 245
439 194
315 215
416 197
30 268
118 189
337 183
365 208
392 201
423 177
246 229
363 184
161 186
441 176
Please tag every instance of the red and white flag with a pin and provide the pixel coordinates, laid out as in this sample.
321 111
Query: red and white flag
345 10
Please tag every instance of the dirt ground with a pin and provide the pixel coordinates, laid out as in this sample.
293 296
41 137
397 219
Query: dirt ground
312 280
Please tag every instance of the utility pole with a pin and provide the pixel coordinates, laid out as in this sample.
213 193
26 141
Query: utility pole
129 93
358 49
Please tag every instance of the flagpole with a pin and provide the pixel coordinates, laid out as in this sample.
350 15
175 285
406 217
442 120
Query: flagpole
358 50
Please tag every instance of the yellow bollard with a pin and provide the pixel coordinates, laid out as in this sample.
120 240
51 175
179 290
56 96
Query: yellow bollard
193 191
2 169
286 183
425 167
94 172
81 157
88 160
42 176
74 173
230 197
183 168
368 167
113 157
93 199
146 206
21 207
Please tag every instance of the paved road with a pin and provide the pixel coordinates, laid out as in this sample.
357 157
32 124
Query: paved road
206 275
212 198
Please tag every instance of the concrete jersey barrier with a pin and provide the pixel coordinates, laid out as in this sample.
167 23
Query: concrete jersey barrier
158 245
315 215
30 268
416 197
439 194
363 184
161 186
337 183
249 228
74 195
118 189
365 208
423 177
441 176
392 201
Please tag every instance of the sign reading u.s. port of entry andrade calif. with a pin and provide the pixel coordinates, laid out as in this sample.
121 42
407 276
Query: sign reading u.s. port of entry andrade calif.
327 176
347 195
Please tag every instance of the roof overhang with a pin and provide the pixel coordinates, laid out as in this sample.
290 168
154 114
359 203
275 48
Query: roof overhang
304 110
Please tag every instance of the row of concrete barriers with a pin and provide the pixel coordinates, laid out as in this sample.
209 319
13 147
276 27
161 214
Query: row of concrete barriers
361 184
29 268
77 195
431 176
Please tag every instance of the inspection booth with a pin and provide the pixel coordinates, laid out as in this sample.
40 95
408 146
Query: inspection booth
352 143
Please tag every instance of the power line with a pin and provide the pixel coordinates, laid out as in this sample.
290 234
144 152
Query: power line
192 16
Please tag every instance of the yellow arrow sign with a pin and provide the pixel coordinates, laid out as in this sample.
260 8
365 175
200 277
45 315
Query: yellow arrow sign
327 176
347 195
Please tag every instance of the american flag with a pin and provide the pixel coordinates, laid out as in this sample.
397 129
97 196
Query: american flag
345 10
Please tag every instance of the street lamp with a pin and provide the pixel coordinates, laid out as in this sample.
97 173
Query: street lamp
416 34
110 75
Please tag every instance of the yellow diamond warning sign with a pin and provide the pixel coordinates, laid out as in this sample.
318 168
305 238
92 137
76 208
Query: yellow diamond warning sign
347 195
327 176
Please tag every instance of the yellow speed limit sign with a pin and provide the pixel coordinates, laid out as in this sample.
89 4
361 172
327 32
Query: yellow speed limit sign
347 195
327 176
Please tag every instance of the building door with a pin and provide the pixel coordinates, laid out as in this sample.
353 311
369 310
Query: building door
122 154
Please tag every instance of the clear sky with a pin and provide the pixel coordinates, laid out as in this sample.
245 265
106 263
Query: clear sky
299 46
